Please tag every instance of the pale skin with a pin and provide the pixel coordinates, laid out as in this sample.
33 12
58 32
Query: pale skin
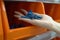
46 21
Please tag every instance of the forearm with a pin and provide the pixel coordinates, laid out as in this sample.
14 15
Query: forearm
57 27
54 26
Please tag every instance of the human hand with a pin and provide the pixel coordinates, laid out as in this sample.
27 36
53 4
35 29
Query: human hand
46 20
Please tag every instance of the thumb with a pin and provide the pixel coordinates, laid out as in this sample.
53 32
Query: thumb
27 20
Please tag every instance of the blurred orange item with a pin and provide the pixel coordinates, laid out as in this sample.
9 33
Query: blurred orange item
1 29
24 32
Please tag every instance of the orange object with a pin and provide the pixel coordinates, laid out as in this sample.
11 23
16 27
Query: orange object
1 29
28 30
24 32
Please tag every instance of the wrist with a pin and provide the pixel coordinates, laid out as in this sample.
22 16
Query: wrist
57 27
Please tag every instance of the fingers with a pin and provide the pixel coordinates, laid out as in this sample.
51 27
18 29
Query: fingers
18 16
25 12
18 13
27 20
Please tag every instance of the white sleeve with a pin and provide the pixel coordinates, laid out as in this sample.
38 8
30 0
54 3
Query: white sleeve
45 36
